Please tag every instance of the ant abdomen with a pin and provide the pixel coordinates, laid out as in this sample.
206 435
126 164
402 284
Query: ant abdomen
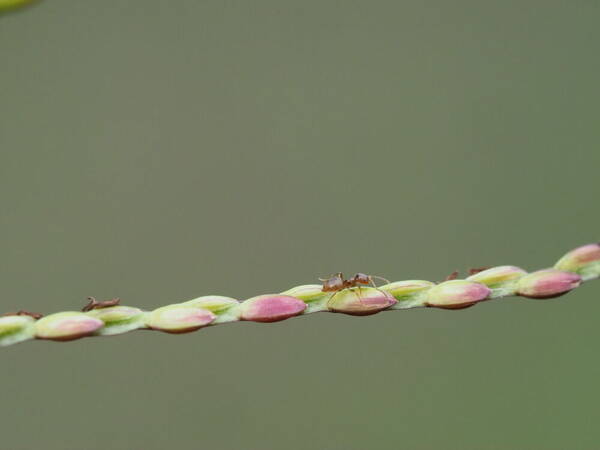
334 283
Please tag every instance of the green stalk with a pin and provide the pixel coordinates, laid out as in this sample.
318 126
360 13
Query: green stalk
579 265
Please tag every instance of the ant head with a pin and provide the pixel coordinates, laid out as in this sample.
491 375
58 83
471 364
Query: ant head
361 278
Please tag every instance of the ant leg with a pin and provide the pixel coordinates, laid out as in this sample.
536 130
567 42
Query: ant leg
331 298
357 290
385 294
379 278
360 298
359 295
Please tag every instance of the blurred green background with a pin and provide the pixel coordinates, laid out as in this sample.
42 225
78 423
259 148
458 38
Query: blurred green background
158 151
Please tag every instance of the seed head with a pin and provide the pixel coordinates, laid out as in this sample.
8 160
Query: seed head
222 307
502 280
179 318
66 326
360 301
312 295
409 293
15 329
457 294
547 283
118 319
584 261
271 308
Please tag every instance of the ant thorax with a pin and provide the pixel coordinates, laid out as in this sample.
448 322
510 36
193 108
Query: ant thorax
337 282
361 278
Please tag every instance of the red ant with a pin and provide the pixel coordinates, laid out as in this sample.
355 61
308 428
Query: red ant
337 283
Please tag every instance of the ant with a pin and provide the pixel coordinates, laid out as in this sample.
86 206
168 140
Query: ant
336 283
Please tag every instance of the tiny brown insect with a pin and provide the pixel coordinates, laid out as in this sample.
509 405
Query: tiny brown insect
452 276
95 304
476 270
336 283
35 315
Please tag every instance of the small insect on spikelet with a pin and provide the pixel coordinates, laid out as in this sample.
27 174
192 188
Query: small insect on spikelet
22 312
95 304
374 300
337 282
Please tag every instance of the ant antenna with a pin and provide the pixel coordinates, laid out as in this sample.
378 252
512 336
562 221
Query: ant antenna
331 276
379 278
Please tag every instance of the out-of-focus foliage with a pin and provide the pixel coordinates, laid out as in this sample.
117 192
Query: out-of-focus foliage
7 5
